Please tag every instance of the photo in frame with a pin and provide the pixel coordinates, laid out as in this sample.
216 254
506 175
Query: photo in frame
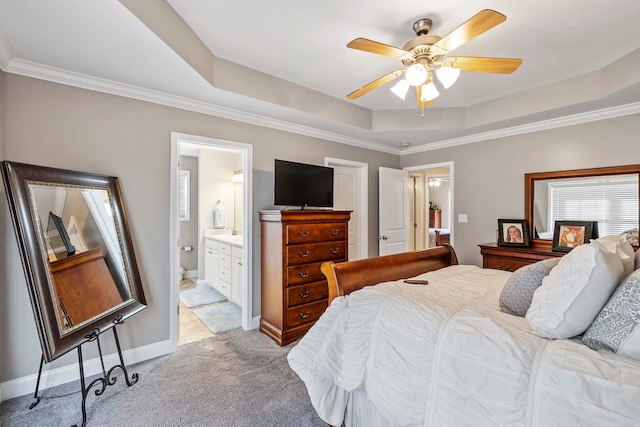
569 234
513 232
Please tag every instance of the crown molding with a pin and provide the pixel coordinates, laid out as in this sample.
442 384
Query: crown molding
569 120
83 81
38 71
5 54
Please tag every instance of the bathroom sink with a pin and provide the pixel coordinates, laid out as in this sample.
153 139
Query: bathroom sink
226 238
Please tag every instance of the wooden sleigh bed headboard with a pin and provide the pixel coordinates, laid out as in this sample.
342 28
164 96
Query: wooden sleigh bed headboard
346 277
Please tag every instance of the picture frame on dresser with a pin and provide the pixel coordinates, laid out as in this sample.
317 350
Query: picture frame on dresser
569 234
513 233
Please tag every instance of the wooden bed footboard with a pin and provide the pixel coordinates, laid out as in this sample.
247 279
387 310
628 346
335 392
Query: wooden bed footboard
346 277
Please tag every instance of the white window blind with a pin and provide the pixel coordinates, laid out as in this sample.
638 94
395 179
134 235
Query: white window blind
612 201
184 204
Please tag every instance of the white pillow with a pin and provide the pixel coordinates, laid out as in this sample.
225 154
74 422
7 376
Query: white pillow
574 292
620 246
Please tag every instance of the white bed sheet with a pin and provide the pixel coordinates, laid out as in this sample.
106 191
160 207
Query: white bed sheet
444 355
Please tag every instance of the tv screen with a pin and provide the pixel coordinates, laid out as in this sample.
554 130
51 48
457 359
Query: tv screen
299 184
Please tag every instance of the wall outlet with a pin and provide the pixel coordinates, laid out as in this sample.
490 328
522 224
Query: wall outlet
462 217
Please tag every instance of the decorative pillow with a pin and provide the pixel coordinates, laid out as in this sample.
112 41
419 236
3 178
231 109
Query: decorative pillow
574 292
620 246
617 327
516 295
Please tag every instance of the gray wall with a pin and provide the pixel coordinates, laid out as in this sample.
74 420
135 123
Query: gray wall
489 175
60 126
189 229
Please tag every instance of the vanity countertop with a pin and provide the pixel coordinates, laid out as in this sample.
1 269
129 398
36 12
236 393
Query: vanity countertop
225 238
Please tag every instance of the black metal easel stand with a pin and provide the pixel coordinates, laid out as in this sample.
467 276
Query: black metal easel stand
102 382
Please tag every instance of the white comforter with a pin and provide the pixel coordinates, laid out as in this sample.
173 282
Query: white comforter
444 355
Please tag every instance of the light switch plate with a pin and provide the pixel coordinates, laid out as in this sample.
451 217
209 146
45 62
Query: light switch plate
462 217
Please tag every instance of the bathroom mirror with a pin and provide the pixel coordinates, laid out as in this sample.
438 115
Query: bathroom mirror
537 185
76 252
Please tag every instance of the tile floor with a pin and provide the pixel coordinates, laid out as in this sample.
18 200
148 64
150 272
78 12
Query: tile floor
191 328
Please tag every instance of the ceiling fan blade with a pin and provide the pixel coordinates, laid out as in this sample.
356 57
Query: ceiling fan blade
486 65
375 84
483 21
379 48
422 104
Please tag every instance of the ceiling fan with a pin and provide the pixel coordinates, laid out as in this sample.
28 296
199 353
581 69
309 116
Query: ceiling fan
426 54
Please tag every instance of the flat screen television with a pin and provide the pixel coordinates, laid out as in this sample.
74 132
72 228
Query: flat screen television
299 184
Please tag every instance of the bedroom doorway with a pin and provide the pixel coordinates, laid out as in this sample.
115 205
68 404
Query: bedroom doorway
210 237
431 205
350 189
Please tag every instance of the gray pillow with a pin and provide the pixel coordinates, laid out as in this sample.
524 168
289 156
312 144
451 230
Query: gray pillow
517 293
617 326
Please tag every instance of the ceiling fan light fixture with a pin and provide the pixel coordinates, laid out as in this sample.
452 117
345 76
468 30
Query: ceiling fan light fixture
416 74
401 88
429 92
447 75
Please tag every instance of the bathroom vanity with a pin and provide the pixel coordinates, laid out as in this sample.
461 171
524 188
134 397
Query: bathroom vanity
223 259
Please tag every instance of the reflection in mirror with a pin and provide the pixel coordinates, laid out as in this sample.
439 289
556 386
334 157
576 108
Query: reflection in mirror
87 270
610 200
608 195
76 251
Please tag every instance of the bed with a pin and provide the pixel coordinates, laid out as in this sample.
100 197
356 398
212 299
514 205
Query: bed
389 353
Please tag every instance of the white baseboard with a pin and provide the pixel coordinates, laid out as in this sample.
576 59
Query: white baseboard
191 274
51 378
255 322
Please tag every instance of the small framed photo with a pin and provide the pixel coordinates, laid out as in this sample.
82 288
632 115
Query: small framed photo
569 234
513 232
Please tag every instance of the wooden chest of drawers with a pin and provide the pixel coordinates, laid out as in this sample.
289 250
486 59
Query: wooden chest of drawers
512 258
295 243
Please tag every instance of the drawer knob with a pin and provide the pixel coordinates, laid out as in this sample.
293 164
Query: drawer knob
334 232
304 294
303 254
305 234
499 266
304 274
304 315
334 250
507 268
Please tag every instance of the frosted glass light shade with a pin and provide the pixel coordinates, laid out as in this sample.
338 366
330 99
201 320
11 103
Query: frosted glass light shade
416 74
401 88
447 75
429 92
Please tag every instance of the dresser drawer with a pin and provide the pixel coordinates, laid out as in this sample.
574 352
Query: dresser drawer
503 263
303 294
306 273
311 252
303 233
305 313
225 248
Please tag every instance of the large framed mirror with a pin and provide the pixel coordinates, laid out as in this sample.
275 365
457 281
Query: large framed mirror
608 195
76 251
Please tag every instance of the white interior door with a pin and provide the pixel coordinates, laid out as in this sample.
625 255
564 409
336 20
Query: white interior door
346 189
393 235
350 193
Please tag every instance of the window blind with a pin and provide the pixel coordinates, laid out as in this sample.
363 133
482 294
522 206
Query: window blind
612 202
183 203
